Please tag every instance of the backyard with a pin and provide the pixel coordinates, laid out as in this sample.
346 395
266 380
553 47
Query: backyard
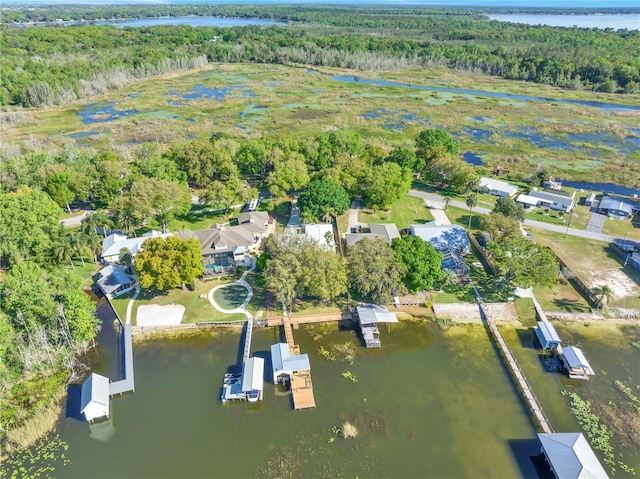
404 211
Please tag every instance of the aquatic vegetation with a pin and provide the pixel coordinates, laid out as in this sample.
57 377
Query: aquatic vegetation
599 434
41 460
635 344
348 430
350 376
627 391
326 354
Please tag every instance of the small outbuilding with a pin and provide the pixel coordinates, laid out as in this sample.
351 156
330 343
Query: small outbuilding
94 397
369 315
576 364
570 457
547 335
284 364
252 378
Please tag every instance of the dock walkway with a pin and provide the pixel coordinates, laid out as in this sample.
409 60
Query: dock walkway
126 384
247 340
520 379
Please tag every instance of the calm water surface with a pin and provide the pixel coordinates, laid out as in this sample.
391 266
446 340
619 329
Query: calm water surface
617 22
191 21
428 404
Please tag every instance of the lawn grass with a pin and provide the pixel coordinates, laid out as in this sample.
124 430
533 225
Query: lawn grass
120 305
404 211
282 214
594 263
629 229
561 297
460 216
526 311
198 219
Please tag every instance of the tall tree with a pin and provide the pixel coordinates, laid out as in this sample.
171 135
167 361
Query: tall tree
472 202
420 261
407 159
435 142
385 183
96 223
509 208
500 226
78 310
60 188
169 263
322 196
524 263
376 274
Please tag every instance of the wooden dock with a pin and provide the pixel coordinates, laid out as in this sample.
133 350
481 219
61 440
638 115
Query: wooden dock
301 384
519 378
310 319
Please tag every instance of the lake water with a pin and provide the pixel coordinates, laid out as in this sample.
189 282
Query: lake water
194 21
616 22
429 403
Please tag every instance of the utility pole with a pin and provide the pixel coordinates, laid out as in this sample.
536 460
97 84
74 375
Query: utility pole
568 223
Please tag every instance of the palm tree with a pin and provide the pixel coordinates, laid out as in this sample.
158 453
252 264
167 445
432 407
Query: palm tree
450 278
604 293
472 202
92 222
80 243
63 250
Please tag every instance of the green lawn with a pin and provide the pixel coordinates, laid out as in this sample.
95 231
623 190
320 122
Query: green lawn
595 263
283 214
578 219
526 311
561 297
460 216
624 228
405 211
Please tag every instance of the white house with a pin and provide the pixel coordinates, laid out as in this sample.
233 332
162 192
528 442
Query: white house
496 187
94 397
115 242
556 200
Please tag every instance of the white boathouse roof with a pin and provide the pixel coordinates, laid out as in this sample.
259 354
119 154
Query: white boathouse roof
570 456
252 374
94 397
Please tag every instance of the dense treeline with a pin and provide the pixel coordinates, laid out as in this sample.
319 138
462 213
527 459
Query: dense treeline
44 65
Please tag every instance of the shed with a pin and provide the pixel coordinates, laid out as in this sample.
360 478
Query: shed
94 397
547 335
570 456
575 362
590 199
252 378
284 364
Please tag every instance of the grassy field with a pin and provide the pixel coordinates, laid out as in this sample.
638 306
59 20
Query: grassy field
196 308
625 228
596 265
405 211
275 99
460 216
526 311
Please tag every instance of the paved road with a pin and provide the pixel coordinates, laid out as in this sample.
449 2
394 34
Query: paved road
535 224
75 220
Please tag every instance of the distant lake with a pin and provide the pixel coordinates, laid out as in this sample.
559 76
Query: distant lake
617 22
194 21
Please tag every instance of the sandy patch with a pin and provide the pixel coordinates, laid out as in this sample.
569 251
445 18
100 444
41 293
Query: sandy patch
621 285
156 315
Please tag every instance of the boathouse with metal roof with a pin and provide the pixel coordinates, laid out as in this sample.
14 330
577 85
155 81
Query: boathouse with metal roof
547 335
570 457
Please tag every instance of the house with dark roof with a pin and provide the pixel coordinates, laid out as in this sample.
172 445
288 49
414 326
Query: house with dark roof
113 281
570 457
553 199
618 208
385 231
230 245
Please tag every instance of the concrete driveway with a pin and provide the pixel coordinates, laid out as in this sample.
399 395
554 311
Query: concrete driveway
596 222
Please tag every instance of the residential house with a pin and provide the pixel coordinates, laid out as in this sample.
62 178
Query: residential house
576 364
570 457
385 231
322 234
284 364
554 199
115 242
547 335
230 245
618 208
443 237
94 397
113 281
496 187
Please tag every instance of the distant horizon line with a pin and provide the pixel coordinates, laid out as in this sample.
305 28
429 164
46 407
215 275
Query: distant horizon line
529 4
